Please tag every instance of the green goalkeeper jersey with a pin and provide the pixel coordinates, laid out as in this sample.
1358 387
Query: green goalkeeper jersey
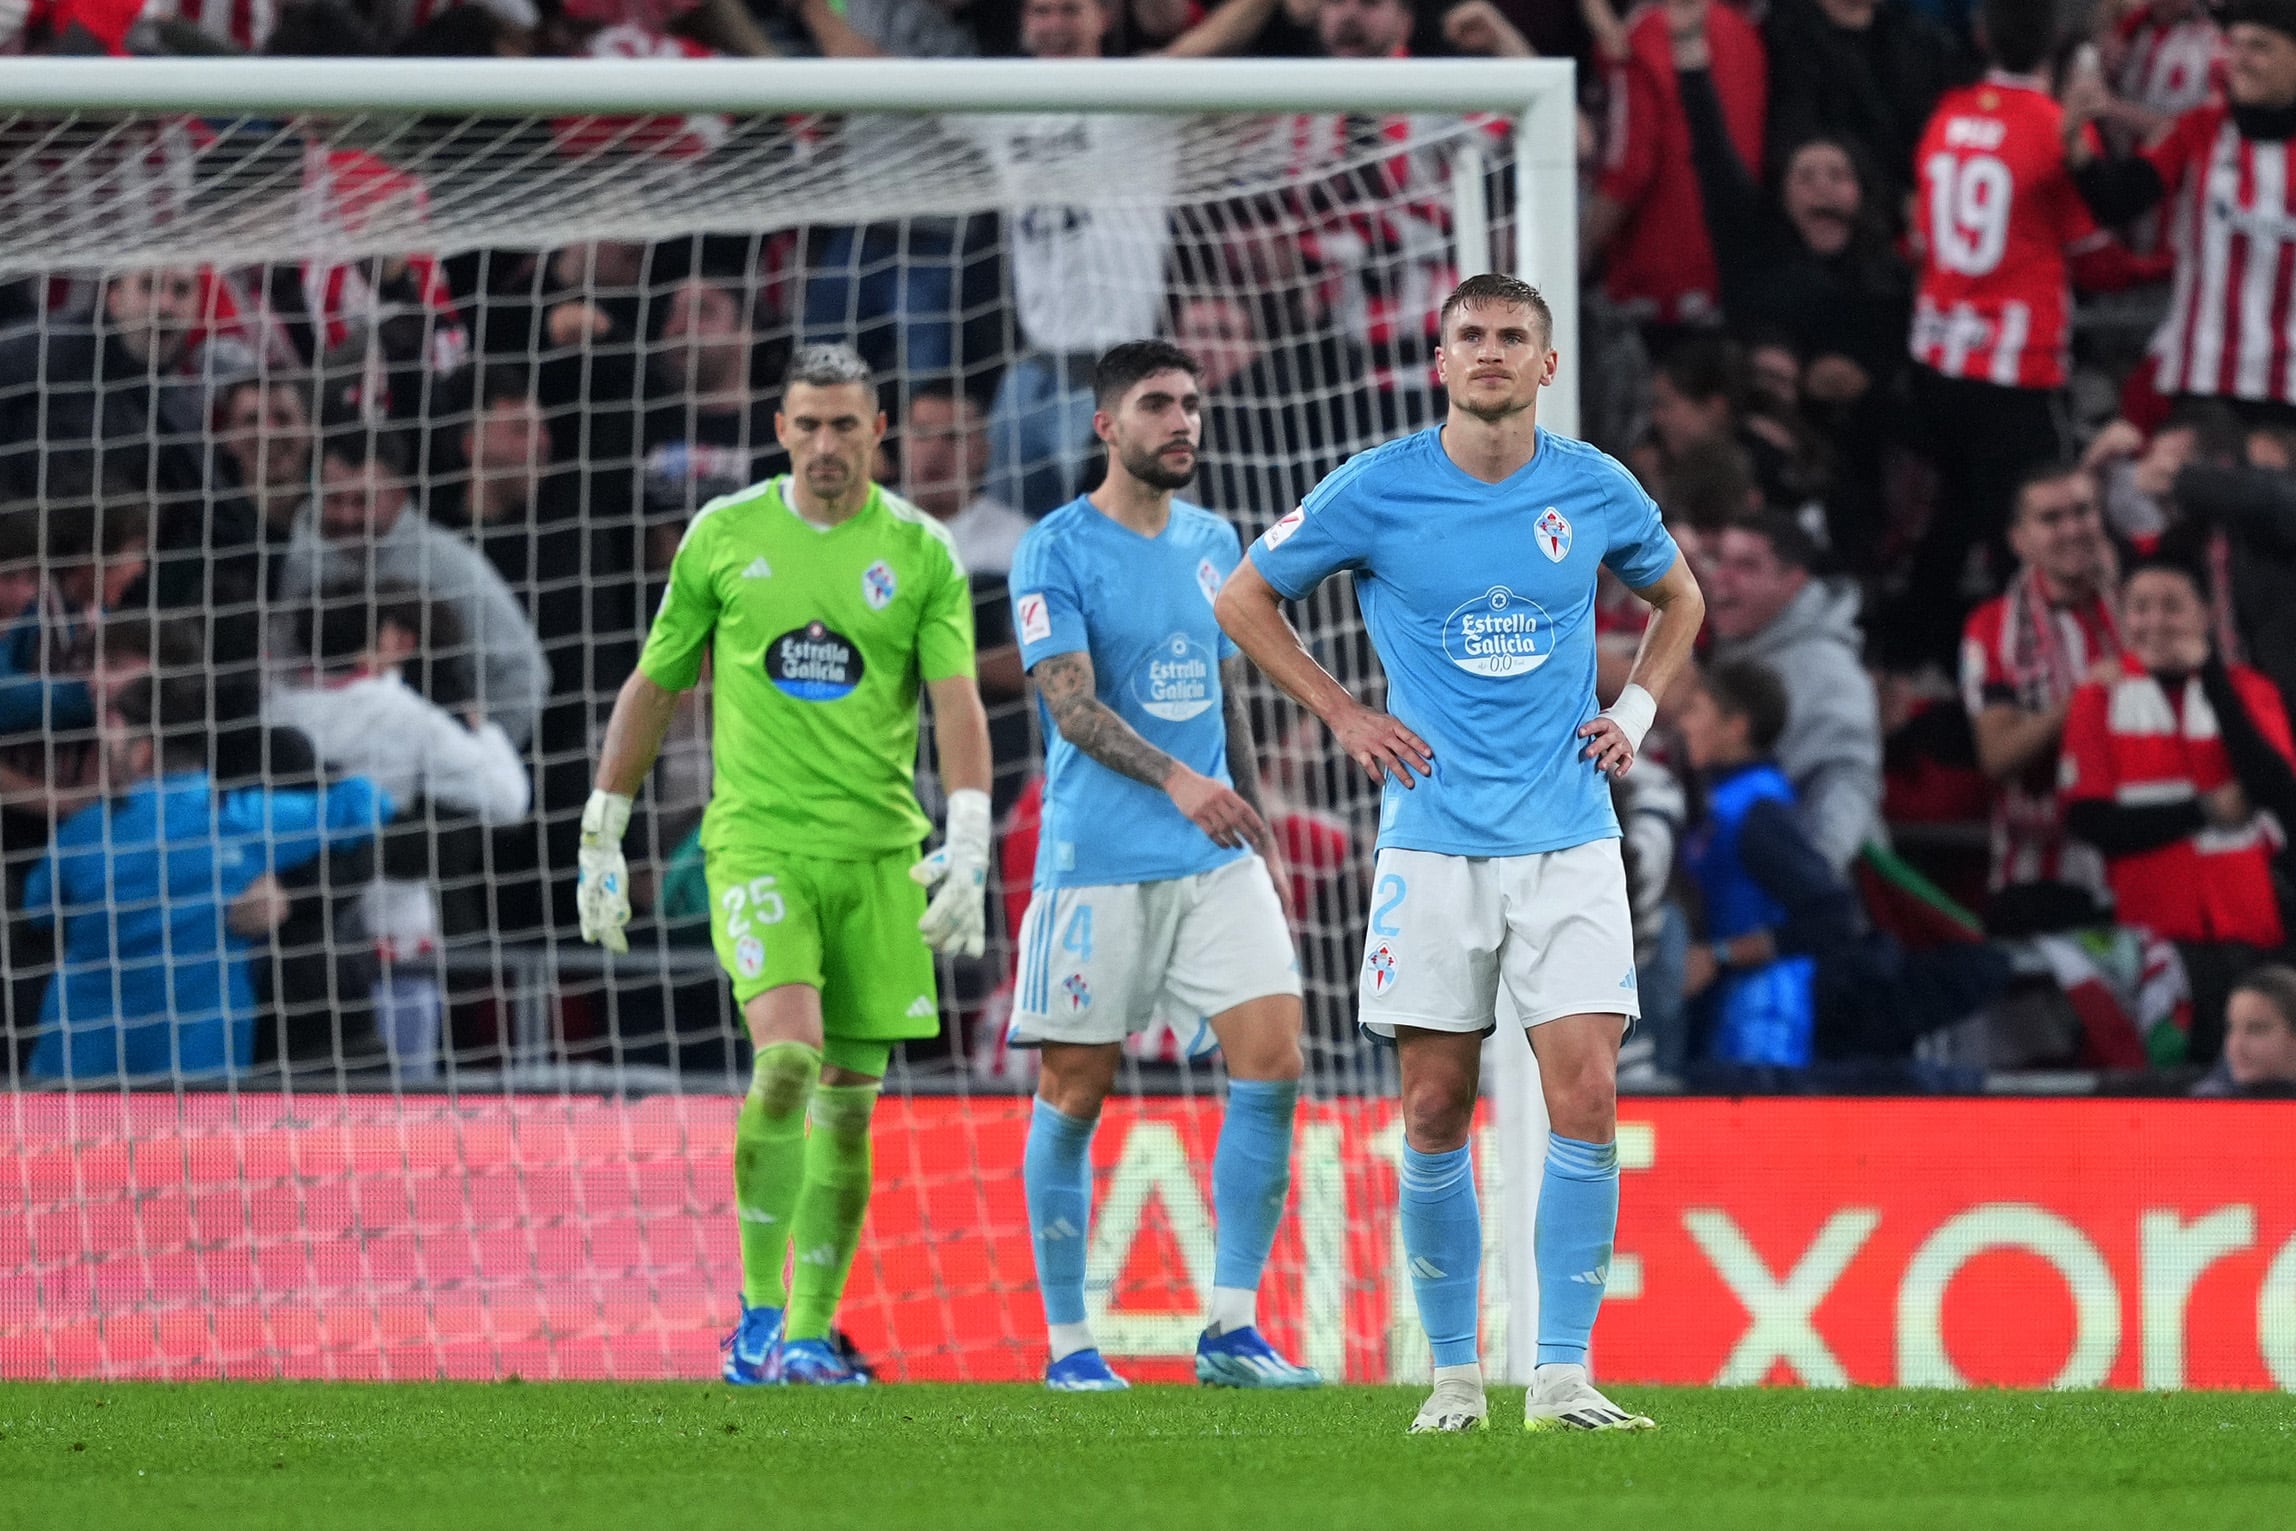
819 642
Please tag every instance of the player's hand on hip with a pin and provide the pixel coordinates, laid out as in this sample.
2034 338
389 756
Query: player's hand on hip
1607 746
1614 734
602 877
1218 811
1380 744
956 921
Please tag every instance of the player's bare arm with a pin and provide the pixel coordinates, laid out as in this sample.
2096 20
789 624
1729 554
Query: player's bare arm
961 734
1244 766
1251 612
1066 683
634 734
1678 610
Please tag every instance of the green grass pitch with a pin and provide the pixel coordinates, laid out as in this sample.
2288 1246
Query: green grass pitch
664 1457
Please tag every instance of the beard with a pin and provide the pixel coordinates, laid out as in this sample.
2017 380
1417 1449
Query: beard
1151 469
1493 410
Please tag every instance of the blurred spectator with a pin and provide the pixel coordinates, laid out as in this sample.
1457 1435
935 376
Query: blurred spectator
2023 654
365 531
162 888
1764 606
1278 414
1083 279
1373 193
1646 221
709 431
263 425
944 457
2230 331
1997 222
2167 767
2239 525
1698 398
1863 72
2139 474
364 720
110 385
2259 1037
36 693
1797 974
2162 58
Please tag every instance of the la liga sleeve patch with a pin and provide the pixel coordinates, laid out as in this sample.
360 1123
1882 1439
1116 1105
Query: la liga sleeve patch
1035 618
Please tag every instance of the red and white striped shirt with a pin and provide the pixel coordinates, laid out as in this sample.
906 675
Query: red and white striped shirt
1996 218
2231 327
2168 66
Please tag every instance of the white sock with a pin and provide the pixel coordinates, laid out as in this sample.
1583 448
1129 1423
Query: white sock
1233 1307
1068 1339
1470 1373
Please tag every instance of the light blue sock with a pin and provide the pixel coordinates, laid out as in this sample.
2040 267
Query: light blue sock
1057 1172
1443 1238
1251 1176
1578 1217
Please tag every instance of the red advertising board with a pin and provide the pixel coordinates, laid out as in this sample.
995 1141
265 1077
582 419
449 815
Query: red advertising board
2121 1243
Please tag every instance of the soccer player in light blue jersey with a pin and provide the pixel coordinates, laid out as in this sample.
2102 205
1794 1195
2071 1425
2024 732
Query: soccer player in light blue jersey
1499 889
1155 889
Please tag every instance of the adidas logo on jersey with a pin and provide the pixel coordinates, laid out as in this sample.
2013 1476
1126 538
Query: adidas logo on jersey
758 569
920 1009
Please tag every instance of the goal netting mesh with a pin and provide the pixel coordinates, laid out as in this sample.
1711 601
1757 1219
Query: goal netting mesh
294 405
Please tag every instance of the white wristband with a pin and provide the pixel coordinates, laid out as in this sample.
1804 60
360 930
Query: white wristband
1633 712
968 827
605 817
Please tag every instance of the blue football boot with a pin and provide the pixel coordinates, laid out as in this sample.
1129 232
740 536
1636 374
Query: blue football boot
750 1344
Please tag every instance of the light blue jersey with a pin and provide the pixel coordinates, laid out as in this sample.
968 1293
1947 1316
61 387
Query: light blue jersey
1141 608
1480 600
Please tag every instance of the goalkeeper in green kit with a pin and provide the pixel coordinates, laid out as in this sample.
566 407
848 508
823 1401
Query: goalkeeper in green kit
824 605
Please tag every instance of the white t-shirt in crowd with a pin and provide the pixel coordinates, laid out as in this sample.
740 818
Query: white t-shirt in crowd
1084 278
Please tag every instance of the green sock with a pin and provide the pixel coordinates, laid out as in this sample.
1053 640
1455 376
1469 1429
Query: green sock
828 1229
769 1164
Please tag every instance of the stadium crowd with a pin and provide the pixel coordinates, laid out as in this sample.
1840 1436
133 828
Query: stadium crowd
1957 343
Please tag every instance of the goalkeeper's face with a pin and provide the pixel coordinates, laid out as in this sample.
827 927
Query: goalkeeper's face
831 436
1495 359
1153 429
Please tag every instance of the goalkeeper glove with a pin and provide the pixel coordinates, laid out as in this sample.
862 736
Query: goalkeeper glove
957 874
602 877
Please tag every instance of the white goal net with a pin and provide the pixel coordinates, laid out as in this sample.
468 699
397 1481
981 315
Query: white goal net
348 417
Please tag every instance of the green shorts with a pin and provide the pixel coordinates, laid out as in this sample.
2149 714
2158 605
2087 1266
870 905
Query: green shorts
846 928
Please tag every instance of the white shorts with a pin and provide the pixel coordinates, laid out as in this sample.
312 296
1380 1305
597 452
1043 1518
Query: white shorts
1098 963
1451 934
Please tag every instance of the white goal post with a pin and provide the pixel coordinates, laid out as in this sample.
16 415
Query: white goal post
61 116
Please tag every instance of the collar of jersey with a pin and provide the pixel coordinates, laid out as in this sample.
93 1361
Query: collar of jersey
784 490
1538 455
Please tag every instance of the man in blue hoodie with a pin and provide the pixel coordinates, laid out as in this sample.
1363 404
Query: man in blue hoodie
161 888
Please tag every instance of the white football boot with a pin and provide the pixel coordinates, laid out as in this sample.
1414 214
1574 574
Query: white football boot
1455 1407
1563 1399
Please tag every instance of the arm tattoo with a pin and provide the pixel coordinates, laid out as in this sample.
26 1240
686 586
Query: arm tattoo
1065 682
1243 753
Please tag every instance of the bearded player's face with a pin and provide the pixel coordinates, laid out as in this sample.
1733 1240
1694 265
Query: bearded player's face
830 435
1154 428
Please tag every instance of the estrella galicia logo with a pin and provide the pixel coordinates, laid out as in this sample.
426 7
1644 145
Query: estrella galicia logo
1498 633
1175 681
814 663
